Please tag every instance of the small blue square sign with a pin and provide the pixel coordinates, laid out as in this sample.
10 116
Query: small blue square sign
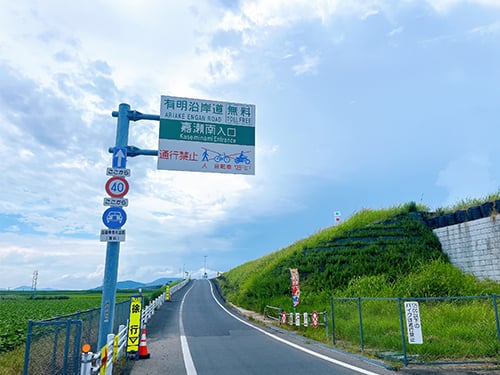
119 157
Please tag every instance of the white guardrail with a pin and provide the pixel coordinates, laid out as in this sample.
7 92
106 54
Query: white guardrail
102 361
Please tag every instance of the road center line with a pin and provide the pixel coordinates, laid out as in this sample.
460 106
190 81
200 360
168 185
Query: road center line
186 354
293 345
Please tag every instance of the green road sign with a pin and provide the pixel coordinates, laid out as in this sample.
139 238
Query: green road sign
206 136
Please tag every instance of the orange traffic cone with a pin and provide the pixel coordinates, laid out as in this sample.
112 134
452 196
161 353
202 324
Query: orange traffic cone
143 346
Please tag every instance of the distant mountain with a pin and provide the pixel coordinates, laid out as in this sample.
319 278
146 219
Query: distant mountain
25 288
130 284
162 281
22 288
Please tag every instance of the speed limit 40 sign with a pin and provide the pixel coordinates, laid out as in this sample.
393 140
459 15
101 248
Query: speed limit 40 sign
117 187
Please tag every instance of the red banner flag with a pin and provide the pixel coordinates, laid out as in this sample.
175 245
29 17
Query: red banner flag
294 277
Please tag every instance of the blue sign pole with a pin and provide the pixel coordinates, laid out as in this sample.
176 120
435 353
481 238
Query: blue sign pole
107 316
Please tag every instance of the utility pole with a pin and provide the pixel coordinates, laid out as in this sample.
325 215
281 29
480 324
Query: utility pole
33 282
106 320
116 216
205 268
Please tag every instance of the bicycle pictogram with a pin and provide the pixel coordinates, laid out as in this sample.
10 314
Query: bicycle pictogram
219 157
222 157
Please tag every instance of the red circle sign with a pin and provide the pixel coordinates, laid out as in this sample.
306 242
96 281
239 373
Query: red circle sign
315 319
283 317
117 187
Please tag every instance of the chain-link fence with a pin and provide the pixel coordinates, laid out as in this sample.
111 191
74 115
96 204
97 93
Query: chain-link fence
434 330
53 346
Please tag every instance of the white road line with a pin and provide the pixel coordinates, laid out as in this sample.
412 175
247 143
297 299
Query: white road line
186 354
318 355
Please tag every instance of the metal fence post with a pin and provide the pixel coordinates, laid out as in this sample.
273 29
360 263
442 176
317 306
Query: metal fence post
66 346
325 318
54 348
28 347
495 306
333 321
403 339
361 338
77 337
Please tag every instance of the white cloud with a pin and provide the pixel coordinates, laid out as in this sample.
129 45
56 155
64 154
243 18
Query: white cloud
468 176
65 66
255 20
307 65
117 36
52 257
444 6
396 31
486 30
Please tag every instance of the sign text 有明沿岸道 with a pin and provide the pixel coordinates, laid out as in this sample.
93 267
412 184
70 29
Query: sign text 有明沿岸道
206 136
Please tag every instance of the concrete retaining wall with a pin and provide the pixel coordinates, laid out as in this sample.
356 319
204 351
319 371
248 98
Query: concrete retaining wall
474 246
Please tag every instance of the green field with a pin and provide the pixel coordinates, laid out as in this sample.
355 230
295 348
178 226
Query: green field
16 308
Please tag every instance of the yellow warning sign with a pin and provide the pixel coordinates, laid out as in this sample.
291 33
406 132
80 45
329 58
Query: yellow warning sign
134 326
167 293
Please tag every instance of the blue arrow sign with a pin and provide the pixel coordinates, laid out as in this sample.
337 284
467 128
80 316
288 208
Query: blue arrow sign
114 217
119 157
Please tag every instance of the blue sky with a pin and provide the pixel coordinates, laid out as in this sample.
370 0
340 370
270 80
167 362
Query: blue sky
359 104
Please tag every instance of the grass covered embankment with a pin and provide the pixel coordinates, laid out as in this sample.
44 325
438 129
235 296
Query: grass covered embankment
376 253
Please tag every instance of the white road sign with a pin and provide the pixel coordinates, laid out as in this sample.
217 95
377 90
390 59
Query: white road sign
413 323
118 172
116 202
206 136
112 235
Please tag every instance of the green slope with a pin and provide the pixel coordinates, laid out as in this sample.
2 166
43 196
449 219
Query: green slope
376 253
387 242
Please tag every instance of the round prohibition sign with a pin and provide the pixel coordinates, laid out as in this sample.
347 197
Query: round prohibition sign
315 319
117 187
283 317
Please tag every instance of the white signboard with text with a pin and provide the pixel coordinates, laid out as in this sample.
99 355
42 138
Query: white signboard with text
413 323
206 136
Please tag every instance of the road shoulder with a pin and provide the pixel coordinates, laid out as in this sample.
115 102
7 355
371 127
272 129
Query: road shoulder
443 369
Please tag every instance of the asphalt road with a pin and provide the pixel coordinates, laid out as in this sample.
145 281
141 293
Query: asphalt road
196 333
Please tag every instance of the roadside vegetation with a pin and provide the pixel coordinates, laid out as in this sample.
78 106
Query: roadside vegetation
468 202
386 253
17 307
